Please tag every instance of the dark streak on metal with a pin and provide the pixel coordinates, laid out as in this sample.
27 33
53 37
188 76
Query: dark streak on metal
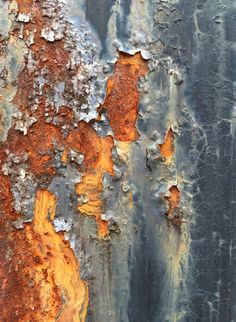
122 19
98 13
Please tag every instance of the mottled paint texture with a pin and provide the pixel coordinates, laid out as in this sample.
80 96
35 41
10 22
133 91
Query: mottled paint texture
117 161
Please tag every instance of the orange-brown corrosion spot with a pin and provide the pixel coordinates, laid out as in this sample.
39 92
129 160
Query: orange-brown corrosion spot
173 213
97 151
41 279
122 96
174 197
91 186
39 274
64 157
43 138
61 265
39 144
24 6
167 148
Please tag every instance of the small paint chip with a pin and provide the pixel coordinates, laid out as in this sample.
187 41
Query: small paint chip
48 34
23 17
174 214
167 148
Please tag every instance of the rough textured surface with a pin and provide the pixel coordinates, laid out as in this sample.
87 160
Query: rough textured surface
117 160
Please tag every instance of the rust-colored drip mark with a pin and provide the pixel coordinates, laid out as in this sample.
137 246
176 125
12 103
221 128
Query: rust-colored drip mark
174 197
64 157
59 261
173 213
122 97
40 274
91 187
167 148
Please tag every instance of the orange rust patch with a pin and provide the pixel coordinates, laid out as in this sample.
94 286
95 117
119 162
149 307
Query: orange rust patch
25 6
39 274
122 96
167 148
96 150
97 160
64 157
61 265
42 137
174 197
41 271
173 213
39 143
91 186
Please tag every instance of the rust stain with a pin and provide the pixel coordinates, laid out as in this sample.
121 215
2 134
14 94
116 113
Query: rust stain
24 6
42 137
64 157
59 261
91 185
167 148
40 273
39 143
173 213
174 197
56 265
121 102
123 150
122 96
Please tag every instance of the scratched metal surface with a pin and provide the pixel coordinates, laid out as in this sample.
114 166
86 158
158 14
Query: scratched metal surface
149 266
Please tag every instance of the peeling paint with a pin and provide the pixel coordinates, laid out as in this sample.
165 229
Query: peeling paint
174 213
167 148
60 90
122 109
120 114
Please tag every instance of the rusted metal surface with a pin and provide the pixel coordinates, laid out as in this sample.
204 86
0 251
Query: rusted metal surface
122 110
117 160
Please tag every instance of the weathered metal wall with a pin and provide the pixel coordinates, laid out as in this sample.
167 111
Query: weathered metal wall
117 157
